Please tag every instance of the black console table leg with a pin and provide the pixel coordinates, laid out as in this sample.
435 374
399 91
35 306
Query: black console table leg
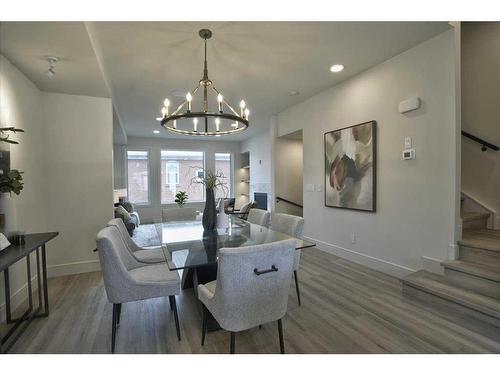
7 296
45 288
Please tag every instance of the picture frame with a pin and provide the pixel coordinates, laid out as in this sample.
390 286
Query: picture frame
350 167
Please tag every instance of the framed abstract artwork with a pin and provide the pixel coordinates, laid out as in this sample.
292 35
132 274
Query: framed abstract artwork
350 167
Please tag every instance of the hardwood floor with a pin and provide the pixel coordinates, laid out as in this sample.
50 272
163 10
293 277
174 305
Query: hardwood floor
346 308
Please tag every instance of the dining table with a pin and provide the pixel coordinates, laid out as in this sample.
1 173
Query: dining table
193 251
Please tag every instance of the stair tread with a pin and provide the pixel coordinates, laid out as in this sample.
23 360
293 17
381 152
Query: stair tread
488 239
470 216
436 285
490 272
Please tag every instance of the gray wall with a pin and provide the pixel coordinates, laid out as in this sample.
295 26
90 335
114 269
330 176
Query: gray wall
416 200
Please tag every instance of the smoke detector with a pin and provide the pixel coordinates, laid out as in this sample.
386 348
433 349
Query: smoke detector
51 71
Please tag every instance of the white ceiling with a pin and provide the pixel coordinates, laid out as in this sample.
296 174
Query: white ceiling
144 62
26 44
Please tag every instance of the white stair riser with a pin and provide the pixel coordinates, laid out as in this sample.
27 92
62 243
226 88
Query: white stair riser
473 283
479 223
475 255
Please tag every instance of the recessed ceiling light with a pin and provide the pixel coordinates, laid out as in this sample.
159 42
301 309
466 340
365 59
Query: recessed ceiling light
336 68
293 93
156 131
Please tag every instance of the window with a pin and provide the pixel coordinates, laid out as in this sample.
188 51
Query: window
138 176
172 173
223 164
178 171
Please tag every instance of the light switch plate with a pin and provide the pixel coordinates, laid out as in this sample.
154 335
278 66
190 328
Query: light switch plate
407 143
310 187
319 187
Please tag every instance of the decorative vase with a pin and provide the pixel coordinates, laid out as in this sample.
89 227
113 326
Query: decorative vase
209 213
8 221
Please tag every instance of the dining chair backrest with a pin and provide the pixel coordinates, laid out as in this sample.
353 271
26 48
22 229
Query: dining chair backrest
179 214
288 224
120 225
253 284
228 205
115 261
259 217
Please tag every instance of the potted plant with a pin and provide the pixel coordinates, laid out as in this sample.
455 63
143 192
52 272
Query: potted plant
211 181
181 198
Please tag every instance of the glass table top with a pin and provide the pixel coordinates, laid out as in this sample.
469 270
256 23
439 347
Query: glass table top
186 245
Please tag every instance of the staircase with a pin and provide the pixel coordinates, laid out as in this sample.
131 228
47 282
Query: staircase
470 286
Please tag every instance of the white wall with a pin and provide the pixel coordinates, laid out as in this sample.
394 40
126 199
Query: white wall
21 106
119 178
152 212
480 95
78 171
415 218
261 149
66 156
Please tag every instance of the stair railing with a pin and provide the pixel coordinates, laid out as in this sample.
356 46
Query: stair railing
484 144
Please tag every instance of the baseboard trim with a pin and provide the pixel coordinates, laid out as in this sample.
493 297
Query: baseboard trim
378 264
73 268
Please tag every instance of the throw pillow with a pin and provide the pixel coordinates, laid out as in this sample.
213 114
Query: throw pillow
128 206
122 214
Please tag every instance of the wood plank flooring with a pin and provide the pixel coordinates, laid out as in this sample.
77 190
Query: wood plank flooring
346 308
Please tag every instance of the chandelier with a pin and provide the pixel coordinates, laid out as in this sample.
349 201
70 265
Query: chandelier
186 121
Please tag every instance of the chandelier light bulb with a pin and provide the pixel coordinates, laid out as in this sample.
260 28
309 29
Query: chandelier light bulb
220 99
189 97
242 107
217 124
164 111
166 102
175 124
195 124
247 112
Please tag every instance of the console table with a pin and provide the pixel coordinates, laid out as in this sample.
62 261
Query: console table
15 253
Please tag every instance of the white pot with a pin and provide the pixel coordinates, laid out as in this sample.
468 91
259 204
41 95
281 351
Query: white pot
9 212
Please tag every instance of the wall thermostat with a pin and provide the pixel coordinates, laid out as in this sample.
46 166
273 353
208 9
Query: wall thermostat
409 154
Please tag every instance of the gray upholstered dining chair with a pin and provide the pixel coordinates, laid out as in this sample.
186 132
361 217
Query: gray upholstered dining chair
178 214
149 255
251 289
242 213
293 226
127 280
259 217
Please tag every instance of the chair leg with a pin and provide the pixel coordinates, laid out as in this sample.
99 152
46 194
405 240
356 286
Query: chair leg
172 303
231 345
280 333
113 330
204 325
171 306
297 286
119 314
